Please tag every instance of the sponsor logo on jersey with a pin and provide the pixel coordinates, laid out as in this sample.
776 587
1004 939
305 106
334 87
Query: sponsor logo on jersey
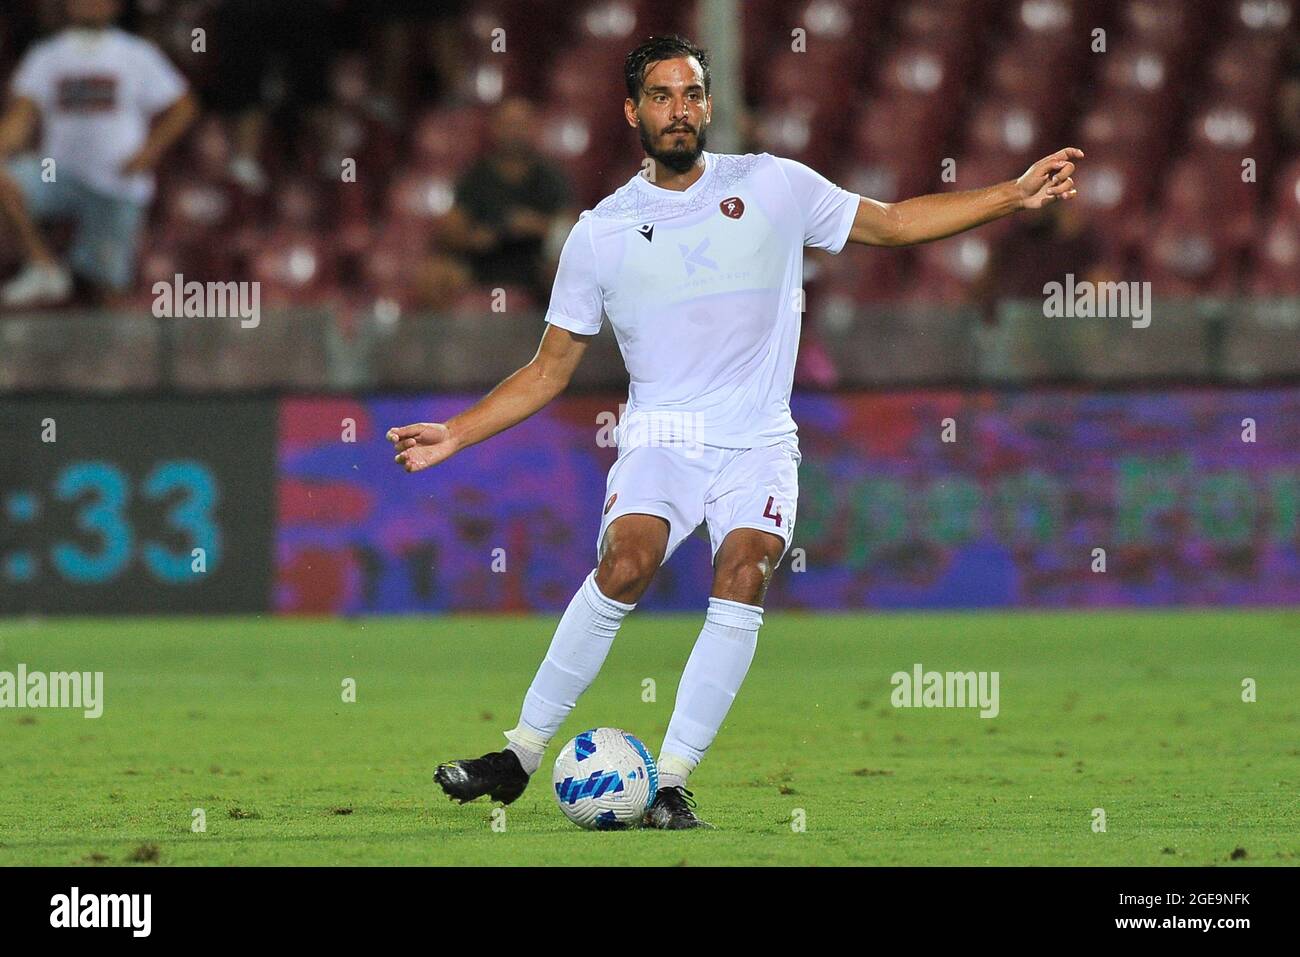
695 258
647 231
733 207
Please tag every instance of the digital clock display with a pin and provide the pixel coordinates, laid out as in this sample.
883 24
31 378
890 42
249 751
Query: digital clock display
135 505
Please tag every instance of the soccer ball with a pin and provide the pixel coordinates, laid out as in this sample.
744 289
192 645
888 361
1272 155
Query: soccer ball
605 779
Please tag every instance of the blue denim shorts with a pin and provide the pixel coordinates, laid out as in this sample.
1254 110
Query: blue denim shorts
108 229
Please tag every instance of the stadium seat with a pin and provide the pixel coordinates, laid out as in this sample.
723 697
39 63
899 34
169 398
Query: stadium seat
942 24
1244 70
418 197
1140 74
293 265
1231 131
1286 191
1171 25
793 129
1117 125
1113 189
947 271
447 138
887 180
1276 261
1051 26
906 129
1197 188
1264 17
997 127
1185 255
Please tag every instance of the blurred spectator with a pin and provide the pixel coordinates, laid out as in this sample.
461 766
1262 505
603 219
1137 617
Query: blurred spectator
272 72
1039 250
506 205
94 89
420 51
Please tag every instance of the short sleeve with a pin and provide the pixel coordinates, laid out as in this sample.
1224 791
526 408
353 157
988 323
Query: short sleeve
576 301
161 83
31 79
828 210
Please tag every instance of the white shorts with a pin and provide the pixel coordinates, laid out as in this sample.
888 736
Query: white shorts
727 488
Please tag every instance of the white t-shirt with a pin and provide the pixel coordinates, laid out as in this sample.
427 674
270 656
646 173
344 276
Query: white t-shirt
703 288
97 91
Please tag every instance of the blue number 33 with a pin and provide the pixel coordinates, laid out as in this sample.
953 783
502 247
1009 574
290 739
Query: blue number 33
105 515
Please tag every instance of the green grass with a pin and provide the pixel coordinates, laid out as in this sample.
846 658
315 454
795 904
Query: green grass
1136 713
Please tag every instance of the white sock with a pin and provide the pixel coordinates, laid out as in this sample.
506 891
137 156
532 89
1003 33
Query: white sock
581 642
713 675
528 748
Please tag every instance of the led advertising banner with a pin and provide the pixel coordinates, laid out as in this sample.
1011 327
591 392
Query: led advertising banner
907 500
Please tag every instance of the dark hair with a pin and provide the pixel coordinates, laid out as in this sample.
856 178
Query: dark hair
652 51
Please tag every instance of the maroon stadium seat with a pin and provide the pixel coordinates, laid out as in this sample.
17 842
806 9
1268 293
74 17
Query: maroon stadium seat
1172 25
1245 69
1138 73
447 138
1185 255
1231 131
294 266
419 197
1264 17
1276 260
1286 190
998 127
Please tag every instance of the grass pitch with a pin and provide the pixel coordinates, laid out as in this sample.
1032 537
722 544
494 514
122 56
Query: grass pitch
1139 714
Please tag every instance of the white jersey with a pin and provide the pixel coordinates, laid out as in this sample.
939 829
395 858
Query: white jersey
703 288
97 91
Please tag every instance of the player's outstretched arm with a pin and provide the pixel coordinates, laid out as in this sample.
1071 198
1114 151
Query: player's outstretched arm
517 397
938 215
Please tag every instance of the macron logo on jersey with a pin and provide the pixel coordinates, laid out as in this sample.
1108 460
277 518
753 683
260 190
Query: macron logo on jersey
647 232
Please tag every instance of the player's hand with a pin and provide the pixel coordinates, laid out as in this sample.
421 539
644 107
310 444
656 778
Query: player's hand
1050 179
421 445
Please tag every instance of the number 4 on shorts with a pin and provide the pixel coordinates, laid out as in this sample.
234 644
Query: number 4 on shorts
768 513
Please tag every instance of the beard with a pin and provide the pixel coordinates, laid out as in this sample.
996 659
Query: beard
679 159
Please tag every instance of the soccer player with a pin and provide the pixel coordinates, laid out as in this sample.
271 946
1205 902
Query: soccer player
698 266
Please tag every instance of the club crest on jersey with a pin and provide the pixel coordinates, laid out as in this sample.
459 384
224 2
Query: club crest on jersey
732 207
647 231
